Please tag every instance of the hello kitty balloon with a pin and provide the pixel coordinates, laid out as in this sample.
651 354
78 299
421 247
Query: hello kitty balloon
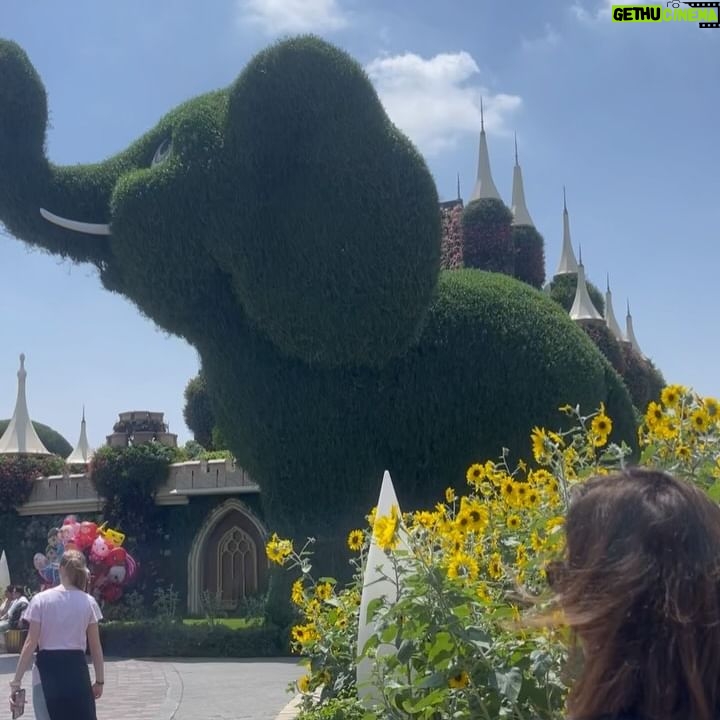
117 574
100 550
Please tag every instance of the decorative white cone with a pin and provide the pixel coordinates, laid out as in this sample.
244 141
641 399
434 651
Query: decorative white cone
4 572
375 586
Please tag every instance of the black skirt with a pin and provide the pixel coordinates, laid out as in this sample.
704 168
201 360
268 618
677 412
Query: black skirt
66 684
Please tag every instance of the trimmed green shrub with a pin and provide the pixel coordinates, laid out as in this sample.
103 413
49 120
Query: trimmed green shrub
487 236
608 345
128 479
17 473
496 358
529 255
198 412
644 381
53 441
563 288
451 247
320 167
153 639
291 191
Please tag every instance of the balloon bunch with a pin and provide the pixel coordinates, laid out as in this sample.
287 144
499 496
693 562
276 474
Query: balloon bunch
111 566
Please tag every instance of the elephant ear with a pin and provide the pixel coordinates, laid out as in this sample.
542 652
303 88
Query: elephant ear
340 256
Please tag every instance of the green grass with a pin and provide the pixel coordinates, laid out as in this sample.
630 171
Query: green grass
232 623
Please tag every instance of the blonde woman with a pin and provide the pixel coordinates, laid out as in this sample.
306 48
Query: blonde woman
63 622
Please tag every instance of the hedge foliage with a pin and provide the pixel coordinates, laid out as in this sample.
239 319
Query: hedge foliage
451 247
51 439
644 381
175 639
563 288
198 412
487 236
17 473
496 357
608 345
529 255
128 478
343 209
314 209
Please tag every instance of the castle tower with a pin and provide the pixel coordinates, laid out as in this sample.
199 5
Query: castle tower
610 319
568 264
583 307
82 454
20 437
484 185
521 216
630 332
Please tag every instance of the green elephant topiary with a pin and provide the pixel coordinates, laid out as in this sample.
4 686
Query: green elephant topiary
291 233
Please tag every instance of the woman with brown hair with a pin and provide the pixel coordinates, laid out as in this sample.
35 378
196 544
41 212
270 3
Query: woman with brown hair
640 589
63 622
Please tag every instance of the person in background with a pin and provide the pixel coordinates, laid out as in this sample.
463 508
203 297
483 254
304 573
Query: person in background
63 622
18 604
6 603
640 589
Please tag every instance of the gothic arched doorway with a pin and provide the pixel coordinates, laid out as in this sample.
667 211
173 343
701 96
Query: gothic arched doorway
227 558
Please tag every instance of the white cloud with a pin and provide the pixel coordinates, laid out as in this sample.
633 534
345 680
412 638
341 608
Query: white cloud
437 101
598 11
548 39
277 17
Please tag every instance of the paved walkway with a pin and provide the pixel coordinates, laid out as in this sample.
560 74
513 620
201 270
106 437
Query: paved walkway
175 689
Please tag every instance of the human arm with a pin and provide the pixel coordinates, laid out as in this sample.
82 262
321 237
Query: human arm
25 659
98 661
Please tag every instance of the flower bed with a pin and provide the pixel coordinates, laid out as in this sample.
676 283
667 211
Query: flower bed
473 633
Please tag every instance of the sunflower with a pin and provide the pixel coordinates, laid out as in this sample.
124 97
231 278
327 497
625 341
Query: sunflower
355 540
712 408
385 530
700 420
540 444
463 566
683 452
450 496
298 593
508 490
513 522
600 428
536 542
459 681
654 415
323 591
672 395
521 555
304 634
475 474
495 566
303 684
533 498
277 550
521 490
482 592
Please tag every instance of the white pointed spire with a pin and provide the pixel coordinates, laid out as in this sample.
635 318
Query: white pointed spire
610 319
82 454
521 215
583 308
630 332
568 264
20 437
484 185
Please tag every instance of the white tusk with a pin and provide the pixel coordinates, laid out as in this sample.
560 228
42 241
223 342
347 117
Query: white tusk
81 227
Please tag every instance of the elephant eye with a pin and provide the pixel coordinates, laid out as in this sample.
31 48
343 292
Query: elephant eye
162 153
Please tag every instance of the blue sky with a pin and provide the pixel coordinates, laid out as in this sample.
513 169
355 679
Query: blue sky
623 115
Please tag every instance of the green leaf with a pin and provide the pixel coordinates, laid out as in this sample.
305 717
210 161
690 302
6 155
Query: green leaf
406 650
714 491
509 683
442 645
438 679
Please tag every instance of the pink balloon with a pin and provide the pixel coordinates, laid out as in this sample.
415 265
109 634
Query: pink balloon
131 567
100 549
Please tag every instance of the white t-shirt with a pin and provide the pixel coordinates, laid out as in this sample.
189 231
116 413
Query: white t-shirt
64 615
